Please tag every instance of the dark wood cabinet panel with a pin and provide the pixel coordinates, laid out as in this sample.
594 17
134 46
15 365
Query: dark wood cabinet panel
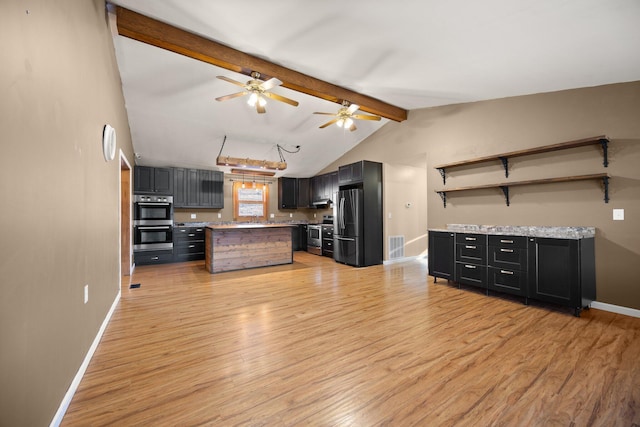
198 188
350 174
287 193
153 180
304 192
188 244
441 254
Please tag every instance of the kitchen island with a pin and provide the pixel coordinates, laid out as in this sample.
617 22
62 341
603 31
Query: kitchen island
231 247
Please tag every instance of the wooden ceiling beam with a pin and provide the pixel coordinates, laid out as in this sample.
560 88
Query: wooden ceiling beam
156 33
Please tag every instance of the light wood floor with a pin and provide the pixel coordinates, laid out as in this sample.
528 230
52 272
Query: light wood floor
323 344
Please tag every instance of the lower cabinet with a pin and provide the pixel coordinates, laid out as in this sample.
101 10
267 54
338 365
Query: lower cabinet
188 243
441 254
560 271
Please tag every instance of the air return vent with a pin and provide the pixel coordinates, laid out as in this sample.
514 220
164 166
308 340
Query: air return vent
396 247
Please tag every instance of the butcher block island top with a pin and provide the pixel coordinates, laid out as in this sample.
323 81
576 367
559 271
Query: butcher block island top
231 247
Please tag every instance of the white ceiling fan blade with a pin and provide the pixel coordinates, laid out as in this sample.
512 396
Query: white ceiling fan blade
271 83
352 108
235 82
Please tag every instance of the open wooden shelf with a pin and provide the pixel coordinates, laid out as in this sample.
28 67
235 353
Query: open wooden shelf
602 140
505 185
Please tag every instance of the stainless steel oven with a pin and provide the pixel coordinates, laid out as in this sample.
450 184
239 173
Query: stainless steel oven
152 223
152 210
314 239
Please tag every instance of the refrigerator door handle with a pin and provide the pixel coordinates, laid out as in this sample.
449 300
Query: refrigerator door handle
345 238
342 224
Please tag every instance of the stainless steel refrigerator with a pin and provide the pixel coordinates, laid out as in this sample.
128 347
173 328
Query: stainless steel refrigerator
348 236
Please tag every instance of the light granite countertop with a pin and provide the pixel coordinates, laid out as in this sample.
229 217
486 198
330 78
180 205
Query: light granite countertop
522 230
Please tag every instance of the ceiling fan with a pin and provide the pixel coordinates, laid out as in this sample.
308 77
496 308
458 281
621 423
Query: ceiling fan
344 117
258 91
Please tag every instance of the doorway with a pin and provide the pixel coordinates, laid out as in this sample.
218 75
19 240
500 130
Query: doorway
126 247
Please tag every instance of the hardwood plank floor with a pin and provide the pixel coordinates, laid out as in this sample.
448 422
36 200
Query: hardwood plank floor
319 343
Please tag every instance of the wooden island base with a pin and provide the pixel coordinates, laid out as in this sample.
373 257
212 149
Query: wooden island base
242 246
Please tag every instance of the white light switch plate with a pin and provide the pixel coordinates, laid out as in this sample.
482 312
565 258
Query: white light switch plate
272 215
618 214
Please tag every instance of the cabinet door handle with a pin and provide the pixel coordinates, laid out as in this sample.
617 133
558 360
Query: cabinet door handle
155 258
469 266
506 241
192 246
198 229
183 231
506 272
191 234
470 247
506 250
473 239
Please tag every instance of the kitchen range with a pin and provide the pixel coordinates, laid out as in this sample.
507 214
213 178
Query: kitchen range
320 237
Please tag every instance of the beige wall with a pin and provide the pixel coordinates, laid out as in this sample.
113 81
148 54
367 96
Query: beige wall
465 131
60 209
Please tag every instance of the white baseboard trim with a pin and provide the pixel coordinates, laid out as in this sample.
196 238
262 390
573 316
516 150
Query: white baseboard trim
616 309
64 405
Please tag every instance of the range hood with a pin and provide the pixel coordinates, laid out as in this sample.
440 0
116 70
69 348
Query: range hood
322 202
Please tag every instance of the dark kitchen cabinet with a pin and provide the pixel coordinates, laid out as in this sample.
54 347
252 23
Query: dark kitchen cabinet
153 257
287 193
324 187
441 255
153 180
471 259
188 243
302 242
562 271
304 192
198 188
350 174
507 264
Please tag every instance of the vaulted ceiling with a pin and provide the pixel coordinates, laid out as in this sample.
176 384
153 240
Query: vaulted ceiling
389 57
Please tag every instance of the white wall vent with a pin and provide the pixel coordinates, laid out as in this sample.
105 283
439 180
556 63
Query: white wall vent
396 247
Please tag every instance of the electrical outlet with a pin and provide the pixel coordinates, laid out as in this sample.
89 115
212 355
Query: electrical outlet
618 214
272 216
290 215
193 216
86 294
314 215
219 215
389 215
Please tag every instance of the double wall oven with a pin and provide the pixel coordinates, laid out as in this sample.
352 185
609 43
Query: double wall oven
152 223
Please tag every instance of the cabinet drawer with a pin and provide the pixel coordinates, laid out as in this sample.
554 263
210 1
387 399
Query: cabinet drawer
508 257
189 247
471 274
152 257
471 253
186 234
508 241
471 238
507 280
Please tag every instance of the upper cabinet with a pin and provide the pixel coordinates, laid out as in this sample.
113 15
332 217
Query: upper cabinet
304 192
153 180
323 188
198 188
350 174
287 193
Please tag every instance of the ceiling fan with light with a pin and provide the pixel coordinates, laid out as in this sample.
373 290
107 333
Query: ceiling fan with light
258 91
344 117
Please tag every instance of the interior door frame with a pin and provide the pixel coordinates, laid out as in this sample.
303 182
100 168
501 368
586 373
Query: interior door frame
125 217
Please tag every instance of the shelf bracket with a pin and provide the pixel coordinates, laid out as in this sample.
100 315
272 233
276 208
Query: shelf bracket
443 196
605 145
605 182
505 164
505 190
444 175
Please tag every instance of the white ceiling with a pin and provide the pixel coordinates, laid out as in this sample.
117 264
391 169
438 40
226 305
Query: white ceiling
412 54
